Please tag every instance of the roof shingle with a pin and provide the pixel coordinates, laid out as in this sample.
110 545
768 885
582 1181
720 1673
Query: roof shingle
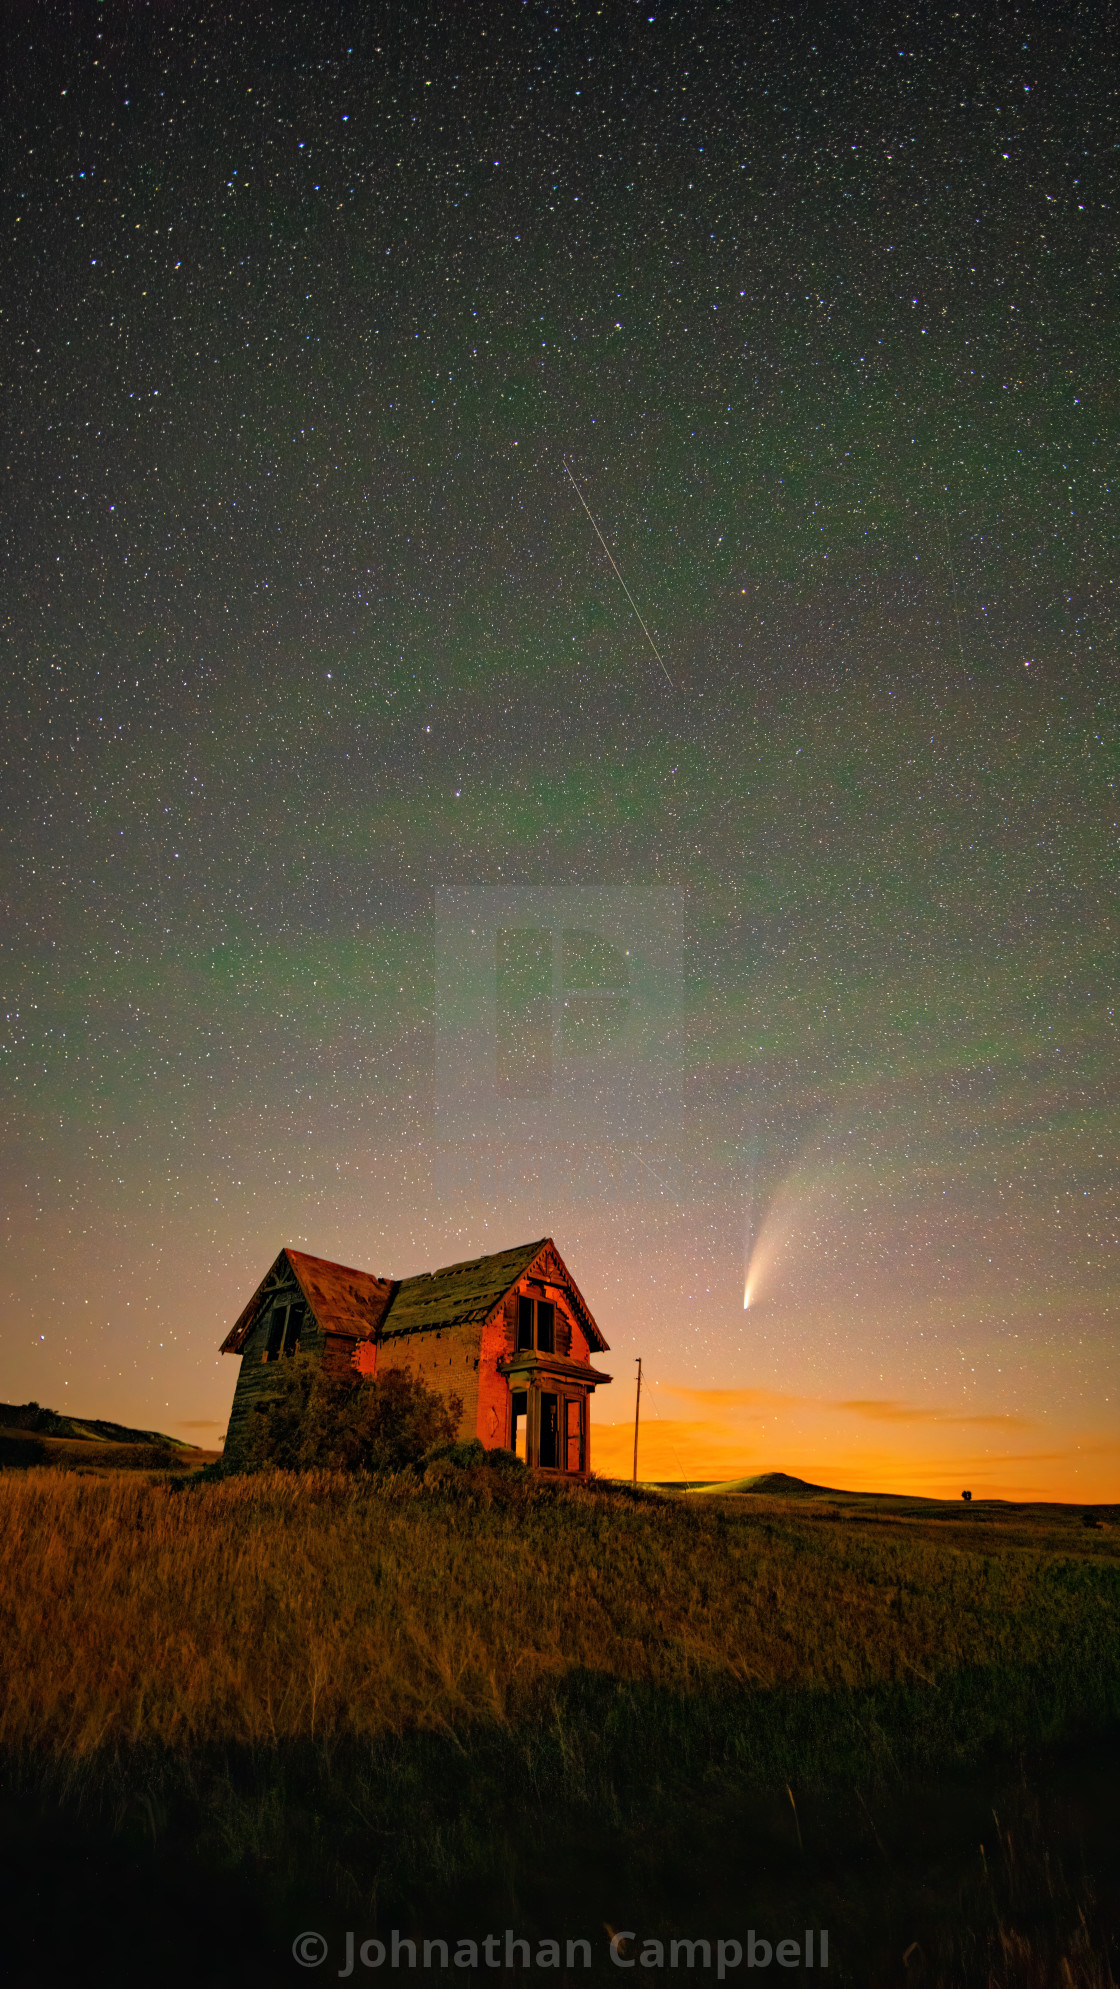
363 1306
458 1293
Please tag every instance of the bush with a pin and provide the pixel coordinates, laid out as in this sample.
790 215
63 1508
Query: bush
505 1461
469 1453
315 1421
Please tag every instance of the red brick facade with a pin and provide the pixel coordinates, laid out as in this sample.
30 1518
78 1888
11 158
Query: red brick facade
510 1335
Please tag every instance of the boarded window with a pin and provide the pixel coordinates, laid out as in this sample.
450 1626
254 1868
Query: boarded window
550 1432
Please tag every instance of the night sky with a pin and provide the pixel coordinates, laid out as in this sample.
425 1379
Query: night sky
303 623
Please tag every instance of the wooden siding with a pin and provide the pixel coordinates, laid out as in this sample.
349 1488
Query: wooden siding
257 1376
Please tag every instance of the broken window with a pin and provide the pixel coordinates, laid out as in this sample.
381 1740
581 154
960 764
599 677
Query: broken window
283 1329
536 1325
520 1424
550 1432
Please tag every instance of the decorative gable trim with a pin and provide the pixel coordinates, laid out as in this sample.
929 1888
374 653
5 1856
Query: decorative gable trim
276 1278
550 1266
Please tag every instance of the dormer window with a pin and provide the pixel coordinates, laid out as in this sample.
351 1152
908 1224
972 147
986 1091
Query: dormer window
536 1325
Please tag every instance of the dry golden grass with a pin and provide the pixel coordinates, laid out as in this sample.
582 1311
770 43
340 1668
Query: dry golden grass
258 1611
379 1688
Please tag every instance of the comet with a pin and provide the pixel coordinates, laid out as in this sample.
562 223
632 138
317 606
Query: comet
784 1222
618 576
761 1261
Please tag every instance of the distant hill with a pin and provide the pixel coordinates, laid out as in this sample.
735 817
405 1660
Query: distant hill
781 1485
774 1484
30 1434
87 1429
778 1485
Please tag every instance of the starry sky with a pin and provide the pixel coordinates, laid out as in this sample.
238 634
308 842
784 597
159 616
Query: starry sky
304 623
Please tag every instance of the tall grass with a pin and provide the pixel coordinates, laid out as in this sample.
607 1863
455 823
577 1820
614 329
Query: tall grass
316 1606
383 1681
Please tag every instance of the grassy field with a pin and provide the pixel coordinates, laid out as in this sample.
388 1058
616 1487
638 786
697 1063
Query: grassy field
364 1695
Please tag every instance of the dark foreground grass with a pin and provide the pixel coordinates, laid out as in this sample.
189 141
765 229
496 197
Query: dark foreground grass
478 1700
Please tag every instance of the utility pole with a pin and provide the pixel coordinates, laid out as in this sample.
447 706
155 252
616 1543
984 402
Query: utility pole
637 1408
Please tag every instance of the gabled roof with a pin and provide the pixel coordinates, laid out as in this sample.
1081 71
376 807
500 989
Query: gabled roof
459 1293
362 1306
342 1300
548 1267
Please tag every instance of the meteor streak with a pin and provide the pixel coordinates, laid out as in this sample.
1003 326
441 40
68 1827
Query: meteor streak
618 577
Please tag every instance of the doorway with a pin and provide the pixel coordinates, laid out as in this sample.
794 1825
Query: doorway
573 1433
550 1432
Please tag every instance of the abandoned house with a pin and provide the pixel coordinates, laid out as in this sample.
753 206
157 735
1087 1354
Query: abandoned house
509 1334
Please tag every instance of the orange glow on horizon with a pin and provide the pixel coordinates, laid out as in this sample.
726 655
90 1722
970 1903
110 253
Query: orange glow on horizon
703 1435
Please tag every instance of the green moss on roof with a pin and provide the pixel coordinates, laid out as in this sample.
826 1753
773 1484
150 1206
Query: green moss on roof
458 1293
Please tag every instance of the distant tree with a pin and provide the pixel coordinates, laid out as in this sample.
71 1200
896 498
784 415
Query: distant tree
29 1416
311 1420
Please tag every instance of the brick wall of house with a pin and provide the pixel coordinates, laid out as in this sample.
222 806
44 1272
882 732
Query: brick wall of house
337 1354
445 1360
492 1418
